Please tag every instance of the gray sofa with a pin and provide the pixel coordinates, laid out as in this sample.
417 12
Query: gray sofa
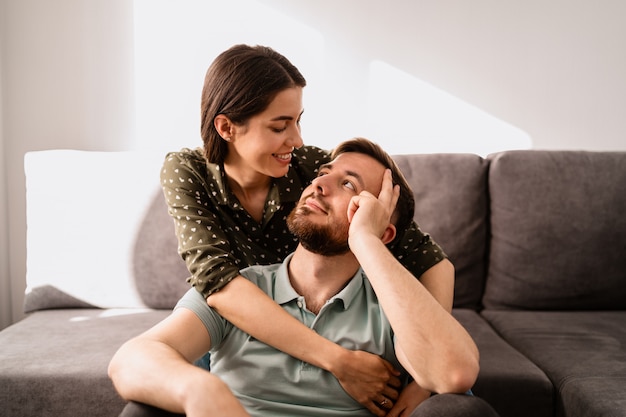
538 239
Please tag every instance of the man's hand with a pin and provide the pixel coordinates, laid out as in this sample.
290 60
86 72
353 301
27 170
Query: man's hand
369 379
370 214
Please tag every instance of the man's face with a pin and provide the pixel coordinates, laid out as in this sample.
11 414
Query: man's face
320 219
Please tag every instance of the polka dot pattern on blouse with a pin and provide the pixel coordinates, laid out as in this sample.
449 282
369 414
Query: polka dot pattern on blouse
217 237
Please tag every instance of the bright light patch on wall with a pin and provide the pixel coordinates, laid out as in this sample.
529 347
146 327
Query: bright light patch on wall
176 41
414 117
346 95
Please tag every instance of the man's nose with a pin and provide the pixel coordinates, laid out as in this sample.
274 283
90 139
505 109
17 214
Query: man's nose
321 185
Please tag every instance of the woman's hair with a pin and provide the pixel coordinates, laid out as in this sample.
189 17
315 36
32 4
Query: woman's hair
241 83
405 207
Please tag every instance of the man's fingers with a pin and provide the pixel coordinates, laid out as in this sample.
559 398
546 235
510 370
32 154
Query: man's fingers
389 194
386 189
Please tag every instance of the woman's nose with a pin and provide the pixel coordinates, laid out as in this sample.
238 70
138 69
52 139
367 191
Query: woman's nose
295 139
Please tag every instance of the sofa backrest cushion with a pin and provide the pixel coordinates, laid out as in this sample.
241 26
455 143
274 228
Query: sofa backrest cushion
159 272
558 230
451 205
99 234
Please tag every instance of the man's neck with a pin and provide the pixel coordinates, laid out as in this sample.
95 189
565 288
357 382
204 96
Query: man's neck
318 278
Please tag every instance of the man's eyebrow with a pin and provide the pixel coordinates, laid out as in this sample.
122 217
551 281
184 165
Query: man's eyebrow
279 118
358 178
356 175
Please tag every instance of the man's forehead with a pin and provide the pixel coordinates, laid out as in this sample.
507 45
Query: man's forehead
365 166
357 158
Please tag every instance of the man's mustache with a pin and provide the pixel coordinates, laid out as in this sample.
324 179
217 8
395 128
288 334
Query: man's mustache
319 202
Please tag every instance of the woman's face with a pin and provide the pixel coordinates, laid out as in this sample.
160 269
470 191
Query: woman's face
264 144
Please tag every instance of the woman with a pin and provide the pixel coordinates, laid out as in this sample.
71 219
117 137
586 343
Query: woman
230 200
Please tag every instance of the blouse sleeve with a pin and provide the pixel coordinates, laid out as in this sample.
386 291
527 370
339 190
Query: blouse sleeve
417 250
202 242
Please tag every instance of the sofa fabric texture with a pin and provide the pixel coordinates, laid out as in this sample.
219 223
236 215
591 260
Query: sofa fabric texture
456 182
538 240
558 231
54 362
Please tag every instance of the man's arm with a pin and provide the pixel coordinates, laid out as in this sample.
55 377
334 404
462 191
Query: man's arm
437 351
156 368
432 345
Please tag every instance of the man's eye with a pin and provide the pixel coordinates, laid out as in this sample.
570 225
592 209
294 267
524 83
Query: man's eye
349 185
279 129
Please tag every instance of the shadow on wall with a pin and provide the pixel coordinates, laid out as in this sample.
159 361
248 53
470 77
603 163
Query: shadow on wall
160 273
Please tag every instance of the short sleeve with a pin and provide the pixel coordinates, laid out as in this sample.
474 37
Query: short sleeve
417 250
216 325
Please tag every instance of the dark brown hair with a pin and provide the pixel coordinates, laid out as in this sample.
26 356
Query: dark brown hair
240 83
405 208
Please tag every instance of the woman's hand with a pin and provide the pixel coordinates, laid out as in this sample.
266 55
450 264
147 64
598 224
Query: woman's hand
369 379
411 396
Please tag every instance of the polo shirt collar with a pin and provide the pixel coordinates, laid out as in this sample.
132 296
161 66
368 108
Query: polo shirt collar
284 291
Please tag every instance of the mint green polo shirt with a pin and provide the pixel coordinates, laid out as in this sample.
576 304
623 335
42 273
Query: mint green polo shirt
271 383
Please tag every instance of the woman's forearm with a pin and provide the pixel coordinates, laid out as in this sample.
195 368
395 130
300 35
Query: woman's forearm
364 376
266 321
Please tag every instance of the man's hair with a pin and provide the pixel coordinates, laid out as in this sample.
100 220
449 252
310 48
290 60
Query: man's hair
405 208
240 83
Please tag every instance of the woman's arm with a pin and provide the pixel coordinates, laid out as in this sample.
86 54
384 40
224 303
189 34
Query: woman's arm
194 196
418 252
363 376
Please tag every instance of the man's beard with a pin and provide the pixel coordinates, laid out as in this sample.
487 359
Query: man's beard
326 240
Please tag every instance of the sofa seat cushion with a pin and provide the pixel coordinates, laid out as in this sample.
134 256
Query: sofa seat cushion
54 362
510 382
581 352
593 396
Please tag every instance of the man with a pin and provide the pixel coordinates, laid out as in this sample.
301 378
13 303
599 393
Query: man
341 281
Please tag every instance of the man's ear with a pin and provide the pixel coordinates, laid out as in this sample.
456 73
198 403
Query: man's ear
389 234
224 126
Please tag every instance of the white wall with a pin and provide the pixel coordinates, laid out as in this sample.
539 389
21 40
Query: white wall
353 89
554 69
67 68
549 75
5 282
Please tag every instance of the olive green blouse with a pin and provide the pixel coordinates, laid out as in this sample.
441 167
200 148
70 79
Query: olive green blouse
217 237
